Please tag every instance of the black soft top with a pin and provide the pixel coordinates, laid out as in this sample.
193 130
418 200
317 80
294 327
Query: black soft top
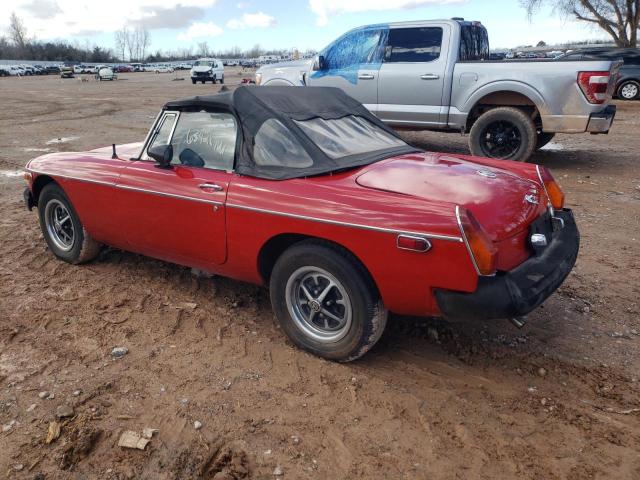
252 106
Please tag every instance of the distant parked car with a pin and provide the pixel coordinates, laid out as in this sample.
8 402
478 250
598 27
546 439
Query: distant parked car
124 68
67 71
52 69
628 80
163 69
4 71
16 71
105 73
207 69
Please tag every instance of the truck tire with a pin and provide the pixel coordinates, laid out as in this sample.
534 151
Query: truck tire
193 80
222 79
326 302
62 229
543 139
505 133
628 90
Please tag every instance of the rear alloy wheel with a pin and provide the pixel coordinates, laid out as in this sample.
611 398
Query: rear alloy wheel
62 229
326 302
505 133
629 90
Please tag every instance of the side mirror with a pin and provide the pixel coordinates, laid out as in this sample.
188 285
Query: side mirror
319 63
162 154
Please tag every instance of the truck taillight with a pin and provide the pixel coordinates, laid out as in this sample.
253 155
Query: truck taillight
551 187
595 86
480 246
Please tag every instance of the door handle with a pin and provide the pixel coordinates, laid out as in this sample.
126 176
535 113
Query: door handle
430 76
210 186
366 76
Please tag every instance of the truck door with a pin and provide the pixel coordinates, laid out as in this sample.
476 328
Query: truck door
412 76
352 63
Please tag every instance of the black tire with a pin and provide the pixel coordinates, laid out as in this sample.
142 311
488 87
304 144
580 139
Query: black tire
222 79
628 90
193 80
203 81
355 295
82 248
213 80
543 139
505 133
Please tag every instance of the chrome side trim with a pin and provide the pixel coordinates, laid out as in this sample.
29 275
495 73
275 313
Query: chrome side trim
466 242
435 236
136 189
170 195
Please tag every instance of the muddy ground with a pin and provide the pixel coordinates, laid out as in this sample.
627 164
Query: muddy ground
559 399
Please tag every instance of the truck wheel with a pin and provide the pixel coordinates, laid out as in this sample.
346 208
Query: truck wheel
62 229
213 80
193 80
543 139
326 302
629 90
222 79
505 133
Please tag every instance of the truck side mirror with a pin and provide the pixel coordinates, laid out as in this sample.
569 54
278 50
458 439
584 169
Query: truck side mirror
162 154
319 63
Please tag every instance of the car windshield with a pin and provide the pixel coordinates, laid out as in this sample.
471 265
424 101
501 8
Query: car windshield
350 135
203 64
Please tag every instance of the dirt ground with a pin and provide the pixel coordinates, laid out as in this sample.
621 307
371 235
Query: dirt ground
559 399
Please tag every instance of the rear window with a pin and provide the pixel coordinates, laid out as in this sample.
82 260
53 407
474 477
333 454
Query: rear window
474 43
413 44
350 135
276 146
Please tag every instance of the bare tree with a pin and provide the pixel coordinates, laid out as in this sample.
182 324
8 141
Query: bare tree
619 18
144 40
121 41
203 49
17 31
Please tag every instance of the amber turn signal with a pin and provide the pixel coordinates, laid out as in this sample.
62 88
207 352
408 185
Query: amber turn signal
27 177
481 248
551 187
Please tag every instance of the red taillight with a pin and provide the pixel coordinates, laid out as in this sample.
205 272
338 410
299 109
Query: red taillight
595 86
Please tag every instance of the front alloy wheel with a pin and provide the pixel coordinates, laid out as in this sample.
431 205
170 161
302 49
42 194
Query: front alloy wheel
629 90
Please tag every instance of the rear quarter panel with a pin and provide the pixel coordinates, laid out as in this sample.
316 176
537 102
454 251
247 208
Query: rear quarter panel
404 278
550 84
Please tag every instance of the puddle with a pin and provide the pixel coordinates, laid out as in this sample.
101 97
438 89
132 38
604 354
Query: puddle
61 140
553 146
37 149
11 173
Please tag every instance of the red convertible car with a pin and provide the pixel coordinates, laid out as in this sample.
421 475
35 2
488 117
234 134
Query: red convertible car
304 190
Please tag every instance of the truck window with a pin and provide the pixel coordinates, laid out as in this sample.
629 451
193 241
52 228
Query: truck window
413 44
355 48
474 42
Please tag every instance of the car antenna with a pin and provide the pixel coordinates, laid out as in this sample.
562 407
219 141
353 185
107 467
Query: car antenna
114 154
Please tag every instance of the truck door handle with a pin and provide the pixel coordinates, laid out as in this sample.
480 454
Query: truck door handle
214 187
430 76
366 76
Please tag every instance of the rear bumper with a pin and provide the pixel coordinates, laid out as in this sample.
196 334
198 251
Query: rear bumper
517 292
600 122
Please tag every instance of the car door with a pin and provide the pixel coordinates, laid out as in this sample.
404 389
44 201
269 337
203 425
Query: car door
178 213
352 63
412 76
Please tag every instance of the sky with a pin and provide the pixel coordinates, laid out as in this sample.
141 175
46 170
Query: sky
275 24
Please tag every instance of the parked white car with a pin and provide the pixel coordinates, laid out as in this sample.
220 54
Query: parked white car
163 69
207 70
105 73
16 71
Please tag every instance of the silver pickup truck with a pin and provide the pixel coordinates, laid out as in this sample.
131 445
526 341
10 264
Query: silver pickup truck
435 75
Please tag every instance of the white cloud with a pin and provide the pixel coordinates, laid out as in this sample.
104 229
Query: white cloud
201 30
324 9
252 20
77 17
243 5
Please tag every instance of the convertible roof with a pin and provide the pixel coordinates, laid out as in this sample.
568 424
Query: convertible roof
253 105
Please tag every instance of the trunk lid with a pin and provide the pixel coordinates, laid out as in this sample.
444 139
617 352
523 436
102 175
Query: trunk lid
501 200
